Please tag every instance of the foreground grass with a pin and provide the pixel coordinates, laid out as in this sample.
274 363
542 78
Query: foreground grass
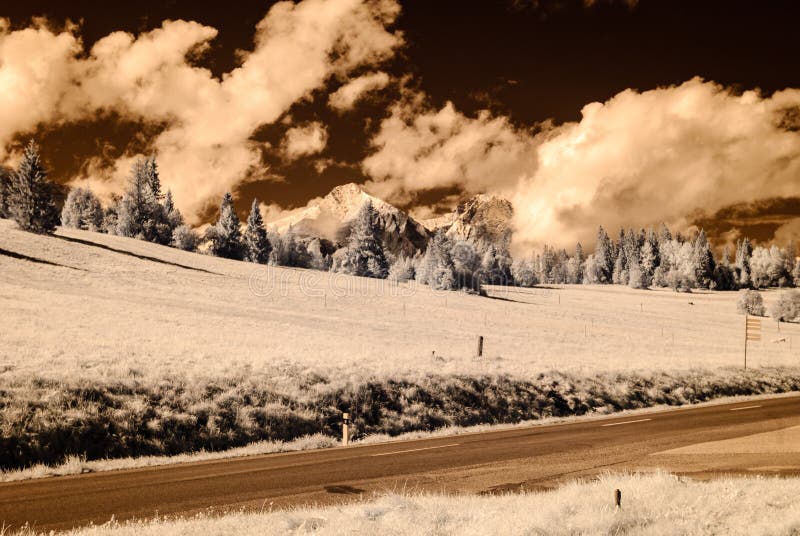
46 422
658 504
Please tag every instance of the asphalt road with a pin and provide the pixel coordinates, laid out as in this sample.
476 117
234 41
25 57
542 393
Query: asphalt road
523 458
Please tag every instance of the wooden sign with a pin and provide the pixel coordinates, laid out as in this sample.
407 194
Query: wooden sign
753 329
752 332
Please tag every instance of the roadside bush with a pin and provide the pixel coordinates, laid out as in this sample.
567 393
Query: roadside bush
787 307
750 302
47 421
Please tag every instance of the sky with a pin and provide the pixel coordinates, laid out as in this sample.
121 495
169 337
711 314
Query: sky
581 113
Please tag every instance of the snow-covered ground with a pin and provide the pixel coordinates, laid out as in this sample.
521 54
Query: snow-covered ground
655 504
103 306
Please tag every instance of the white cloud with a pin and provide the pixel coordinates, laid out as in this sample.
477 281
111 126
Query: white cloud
638 159
205 148
418 149
303 140
661 155
345 97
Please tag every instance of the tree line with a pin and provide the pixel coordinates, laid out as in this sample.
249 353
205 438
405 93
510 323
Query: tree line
658 259
637 259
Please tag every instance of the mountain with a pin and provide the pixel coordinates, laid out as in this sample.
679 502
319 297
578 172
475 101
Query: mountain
482 218
330 217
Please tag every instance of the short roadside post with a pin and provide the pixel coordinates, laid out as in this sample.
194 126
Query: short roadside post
617 498
345 428
480 346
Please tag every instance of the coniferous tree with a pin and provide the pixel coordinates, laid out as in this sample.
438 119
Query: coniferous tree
174 216
649 258
743 253
256 244
139 214
604 257
724 276
575 266
226 234
31 200
704 264
153 178
363 255
5 191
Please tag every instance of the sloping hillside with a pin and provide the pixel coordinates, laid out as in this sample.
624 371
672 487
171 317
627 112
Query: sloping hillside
101 305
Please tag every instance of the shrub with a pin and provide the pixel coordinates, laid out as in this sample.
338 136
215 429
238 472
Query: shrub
184 237
750 302
787 307
402 269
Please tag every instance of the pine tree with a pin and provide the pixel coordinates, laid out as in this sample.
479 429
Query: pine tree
648 258
153 178
604 257
31 200
174 216
575 266
743 253
704 264
226 234
363 255
137 210
256 244
5 191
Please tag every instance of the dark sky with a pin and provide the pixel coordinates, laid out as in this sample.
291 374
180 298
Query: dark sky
534 59
531 60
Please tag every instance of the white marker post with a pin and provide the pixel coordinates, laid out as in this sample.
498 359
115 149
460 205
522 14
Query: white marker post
345 429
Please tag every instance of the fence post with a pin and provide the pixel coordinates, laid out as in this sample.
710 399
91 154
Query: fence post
345 428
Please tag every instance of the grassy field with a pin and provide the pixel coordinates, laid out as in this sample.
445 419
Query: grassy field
104 306
112 347
654 504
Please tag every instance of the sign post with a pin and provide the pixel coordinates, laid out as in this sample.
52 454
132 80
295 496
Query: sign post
752 332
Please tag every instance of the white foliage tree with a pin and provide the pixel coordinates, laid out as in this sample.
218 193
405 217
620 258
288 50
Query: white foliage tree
82 210
787 307
750 302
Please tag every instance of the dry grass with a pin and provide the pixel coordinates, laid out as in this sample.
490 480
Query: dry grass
654 504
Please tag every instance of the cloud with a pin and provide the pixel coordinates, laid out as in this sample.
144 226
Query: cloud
419 148
36 66
345 98
789 232
671 154
303 140
661 155
205 147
